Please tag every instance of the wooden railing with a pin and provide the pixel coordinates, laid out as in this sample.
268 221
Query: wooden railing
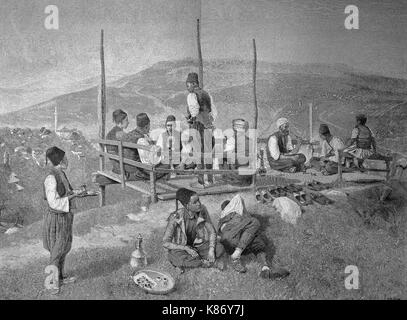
151 168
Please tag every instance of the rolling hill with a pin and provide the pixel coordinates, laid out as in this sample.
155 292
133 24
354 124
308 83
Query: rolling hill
338 92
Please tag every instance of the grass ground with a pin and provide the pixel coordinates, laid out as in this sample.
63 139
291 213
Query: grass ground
316 251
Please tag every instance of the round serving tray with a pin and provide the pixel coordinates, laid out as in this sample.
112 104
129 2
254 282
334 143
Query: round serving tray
154 281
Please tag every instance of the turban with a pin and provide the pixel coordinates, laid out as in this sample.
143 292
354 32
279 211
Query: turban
324 129
184 195
55 155
281 121
142 120
193 77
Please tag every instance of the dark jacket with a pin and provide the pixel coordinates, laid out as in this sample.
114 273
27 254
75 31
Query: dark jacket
205 108
114 134
175 231
364 138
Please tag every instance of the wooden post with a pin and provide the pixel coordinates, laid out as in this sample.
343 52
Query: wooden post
122 164
200 74
152 187
340 157
102 116
256 111
56 118
310 122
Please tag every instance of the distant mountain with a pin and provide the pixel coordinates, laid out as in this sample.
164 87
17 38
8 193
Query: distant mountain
338 92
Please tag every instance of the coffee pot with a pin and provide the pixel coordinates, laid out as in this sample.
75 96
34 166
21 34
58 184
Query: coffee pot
138 257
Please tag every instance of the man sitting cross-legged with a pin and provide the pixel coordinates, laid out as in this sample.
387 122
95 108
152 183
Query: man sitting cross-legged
281 154
190 236
240 233
330 147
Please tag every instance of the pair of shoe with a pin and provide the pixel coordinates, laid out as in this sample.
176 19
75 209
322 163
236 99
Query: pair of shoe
238 266
197 185
275 273
321 199
263 196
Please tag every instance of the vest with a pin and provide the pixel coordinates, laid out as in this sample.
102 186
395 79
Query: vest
281 146
61 190
364 138
205 107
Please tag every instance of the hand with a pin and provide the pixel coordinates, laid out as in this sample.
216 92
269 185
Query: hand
211 255
191 252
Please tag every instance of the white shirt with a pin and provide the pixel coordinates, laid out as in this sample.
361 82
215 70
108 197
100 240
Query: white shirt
53 198
148 157
334 145
274 149
193 105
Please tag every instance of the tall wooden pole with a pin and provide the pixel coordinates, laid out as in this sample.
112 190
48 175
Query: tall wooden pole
200 74
310 122
56 118
102 115
256 111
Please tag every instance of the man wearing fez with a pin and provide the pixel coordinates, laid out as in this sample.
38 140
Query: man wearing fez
170 143
58 219
140 136
330 146
121 121
190 236
281 154
201 114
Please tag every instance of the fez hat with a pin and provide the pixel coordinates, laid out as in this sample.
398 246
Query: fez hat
324 129
184 196
193 77
142 120
170 118
55 155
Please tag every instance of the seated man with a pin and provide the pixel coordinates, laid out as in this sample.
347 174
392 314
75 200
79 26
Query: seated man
362 144
187 156
121 122
190 236
140 136
280 152
328 162
170 143
240 233
241 156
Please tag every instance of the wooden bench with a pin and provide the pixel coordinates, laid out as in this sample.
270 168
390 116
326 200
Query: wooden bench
377 157
162 189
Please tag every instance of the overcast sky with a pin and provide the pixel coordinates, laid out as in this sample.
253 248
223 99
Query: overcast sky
141 32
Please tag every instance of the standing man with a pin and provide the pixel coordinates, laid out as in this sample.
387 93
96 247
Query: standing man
281 154
201 115
58 218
